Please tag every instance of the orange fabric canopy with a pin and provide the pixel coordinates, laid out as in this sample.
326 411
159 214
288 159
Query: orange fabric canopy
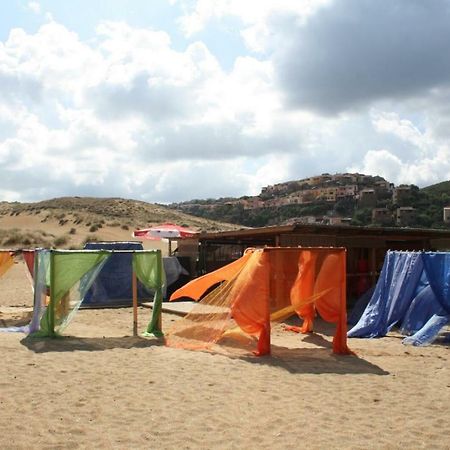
6 261
271 283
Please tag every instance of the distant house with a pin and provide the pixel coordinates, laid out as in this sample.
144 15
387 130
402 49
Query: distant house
383 186
447 214
367 198
382 216
405 216
346 191
400 194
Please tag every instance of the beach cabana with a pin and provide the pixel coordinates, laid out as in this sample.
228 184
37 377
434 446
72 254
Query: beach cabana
62 278
412 292
262 286
113 287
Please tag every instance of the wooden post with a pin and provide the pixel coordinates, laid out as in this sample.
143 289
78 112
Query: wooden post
51 303
160 269
135 304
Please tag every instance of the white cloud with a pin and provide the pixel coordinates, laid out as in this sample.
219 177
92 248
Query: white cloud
141 107
381 162
419 172
35 7
253 13
128 114
403 128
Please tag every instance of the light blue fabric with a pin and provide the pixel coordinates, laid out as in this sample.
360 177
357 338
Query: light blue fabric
41 277
392 296
429 332
41 281
413 291
84 285
437 269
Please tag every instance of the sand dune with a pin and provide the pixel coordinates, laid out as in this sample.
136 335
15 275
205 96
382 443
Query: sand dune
101 388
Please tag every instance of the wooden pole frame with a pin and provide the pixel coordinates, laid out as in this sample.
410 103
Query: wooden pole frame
135 303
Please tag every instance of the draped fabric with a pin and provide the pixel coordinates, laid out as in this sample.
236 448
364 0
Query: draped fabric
196 288
149 270
71 275
6 261
41 271
263 286
113 286
253 317
62 279
437 271
412 292
392 296
28 256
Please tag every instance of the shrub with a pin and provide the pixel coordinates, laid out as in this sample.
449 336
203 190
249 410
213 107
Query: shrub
125 227
90 238
72 231
93 228
59 241
13 239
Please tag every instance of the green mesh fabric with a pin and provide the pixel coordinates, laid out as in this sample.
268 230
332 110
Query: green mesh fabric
148 269
69 274
67 287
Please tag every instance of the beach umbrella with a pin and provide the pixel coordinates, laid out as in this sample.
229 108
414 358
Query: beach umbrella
168 231
165 230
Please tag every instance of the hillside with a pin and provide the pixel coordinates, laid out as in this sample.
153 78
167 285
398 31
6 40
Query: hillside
439 189
343 198
69 222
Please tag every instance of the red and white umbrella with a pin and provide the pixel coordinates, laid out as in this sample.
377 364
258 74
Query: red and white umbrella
165 230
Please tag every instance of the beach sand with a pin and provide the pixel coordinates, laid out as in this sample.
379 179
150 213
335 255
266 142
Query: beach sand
102 388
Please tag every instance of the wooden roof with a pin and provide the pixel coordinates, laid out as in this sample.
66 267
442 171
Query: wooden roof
270 233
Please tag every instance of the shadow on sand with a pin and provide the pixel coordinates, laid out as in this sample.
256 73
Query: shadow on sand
315 361
71 343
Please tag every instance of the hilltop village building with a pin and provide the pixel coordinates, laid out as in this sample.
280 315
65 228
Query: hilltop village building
330 188
337 197
447 214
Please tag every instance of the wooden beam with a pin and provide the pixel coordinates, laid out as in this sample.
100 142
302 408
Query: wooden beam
135 304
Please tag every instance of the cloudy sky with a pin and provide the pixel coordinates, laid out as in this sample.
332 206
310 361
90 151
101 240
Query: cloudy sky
172 100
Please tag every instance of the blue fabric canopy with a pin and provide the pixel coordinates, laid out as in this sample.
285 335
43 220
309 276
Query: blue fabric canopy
413 291
113 285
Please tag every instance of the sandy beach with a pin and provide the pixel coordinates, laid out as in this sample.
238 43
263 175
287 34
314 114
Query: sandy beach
99 387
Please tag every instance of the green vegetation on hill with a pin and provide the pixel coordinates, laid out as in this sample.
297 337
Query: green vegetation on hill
272 208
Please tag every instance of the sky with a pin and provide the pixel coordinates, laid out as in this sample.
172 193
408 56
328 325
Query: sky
168 101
